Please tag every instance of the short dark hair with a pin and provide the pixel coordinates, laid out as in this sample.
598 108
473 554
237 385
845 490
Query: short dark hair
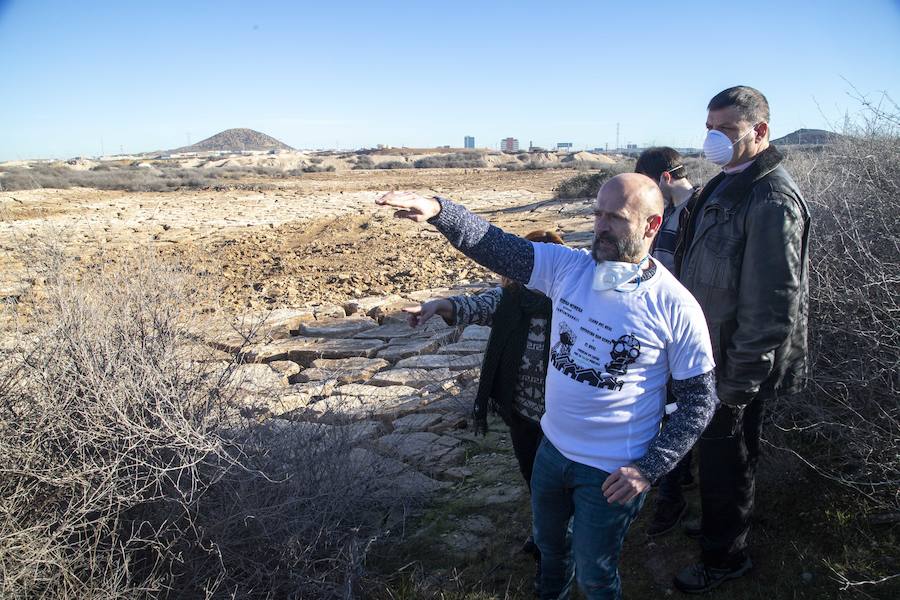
653 161
750 102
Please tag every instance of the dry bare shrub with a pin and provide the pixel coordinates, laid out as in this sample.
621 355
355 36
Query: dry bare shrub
127 470
128 178
394 164
586 185
454 160
160 177
699 170
847 426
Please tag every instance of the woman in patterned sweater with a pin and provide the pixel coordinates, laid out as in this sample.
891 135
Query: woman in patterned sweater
515 362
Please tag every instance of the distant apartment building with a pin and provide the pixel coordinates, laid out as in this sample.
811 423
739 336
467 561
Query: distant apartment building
564 146
469 141
509 144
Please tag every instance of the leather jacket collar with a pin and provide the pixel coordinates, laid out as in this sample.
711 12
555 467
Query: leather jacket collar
739 189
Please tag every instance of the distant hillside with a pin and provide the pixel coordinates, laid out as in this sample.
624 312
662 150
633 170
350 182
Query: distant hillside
807 136
236 140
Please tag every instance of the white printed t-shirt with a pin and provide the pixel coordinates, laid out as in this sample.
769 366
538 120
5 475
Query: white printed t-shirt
611 354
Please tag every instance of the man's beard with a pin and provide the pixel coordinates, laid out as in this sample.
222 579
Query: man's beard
626 249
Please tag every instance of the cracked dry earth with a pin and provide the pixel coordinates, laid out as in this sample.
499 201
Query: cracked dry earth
319 237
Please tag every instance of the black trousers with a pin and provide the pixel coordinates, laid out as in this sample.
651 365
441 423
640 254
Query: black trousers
729 451
670 483
526 436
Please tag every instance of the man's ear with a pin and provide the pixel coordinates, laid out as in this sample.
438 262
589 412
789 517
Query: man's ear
762 131
654 222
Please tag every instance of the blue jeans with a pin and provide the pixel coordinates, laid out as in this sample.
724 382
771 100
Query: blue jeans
565 493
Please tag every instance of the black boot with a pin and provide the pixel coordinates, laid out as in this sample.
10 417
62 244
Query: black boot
699 578
692 528
529 547
666 516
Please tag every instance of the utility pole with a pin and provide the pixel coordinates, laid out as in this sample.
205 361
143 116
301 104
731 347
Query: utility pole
618 147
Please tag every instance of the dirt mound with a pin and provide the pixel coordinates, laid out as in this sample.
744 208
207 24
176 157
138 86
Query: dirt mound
236 140
585 156
808 136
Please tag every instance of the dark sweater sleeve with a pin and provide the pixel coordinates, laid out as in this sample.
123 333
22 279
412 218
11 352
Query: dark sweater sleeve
696 404
489 246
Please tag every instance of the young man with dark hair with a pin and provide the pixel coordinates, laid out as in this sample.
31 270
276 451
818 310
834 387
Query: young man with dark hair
664 165
744 257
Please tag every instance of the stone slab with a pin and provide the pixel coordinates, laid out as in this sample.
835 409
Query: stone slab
337 328
297 397
276 350
369 304
390 331
442 361
359 401
342 370
416 422
465 347
410 347
400 481
410 377
257 379
374 391
287 368
475 332
305 350
422 447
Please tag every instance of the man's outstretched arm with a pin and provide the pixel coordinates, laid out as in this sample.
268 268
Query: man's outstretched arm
489 246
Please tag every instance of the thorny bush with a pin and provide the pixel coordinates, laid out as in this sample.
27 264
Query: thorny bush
127 469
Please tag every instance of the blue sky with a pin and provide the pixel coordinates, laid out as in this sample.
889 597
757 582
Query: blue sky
78 77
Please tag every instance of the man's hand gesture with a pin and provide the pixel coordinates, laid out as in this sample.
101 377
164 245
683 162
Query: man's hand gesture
410 205
419 315
624 484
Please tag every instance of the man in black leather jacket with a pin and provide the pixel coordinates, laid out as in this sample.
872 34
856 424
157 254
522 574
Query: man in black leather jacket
744 256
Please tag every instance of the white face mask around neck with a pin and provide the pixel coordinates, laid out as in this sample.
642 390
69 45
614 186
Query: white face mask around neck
620 276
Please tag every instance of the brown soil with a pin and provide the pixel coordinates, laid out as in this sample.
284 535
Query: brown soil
319 237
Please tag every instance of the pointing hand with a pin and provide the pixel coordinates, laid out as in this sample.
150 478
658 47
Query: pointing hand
419 315
410 205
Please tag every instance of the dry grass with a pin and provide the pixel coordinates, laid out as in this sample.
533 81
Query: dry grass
127 469
848 426
586 185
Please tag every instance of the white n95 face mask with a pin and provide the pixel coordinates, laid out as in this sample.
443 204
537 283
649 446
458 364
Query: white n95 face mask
718 149
612 275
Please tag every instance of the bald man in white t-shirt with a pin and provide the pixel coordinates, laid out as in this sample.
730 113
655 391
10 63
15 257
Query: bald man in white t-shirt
622 325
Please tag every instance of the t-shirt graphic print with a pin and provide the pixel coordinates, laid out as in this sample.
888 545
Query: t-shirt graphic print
611 355
626 350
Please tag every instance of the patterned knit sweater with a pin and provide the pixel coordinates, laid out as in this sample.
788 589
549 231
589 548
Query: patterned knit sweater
528 399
